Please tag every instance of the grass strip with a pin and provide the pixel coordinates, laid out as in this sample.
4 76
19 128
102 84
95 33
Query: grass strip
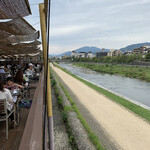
94 139
64 112
142 112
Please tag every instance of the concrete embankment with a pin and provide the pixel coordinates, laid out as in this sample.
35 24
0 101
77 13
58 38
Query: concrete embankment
61 139
125 128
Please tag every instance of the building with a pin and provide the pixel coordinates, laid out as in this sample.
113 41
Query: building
101 54
81 55
111 53
73 54
127 53
117 53
142 50
114 52
89 55
64 57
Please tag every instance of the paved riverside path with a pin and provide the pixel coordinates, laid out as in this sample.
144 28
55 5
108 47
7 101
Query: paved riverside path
128 130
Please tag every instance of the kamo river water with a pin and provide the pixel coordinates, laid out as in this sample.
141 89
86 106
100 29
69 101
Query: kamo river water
133 89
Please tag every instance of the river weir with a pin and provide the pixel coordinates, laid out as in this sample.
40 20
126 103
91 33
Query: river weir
134 90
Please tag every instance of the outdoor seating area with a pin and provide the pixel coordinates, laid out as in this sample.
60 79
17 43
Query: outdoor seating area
21 90
20 69
23 74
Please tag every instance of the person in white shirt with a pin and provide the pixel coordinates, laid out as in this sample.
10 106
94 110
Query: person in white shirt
5 94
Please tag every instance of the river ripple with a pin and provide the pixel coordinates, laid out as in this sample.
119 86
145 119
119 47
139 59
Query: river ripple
133 89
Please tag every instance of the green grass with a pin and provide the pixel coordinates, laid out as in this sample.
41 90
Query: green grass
64 112
144 113
137 72
94 139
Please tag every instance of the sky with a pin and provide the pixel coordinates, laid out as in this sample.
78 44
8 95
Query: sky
102 23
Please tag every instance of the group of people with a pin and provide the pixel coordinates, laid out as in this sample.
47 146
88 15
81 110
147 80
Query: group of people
15 77
5 93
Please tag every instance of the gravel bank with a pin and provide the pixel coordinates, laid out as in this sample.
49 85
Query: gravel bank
78 131
61 139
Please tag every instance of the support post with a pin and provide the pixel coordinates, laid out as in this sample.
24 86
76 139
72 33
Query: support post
47 77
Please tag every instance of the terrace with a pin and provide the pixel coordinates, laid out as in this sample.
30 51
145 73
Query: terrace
19 45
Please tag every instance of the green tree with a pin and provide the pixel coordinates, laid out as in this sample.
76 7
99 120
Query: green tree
148 56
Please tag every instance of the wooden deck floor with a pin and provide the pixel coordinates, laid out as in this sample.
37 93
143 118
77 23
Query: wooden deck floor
15 135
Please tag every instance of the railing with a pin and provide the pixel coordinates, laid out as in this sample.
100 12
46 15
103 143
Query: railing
32 138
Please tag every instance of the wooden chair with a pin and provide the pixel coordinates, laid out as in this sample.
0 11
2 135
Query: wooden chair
4 114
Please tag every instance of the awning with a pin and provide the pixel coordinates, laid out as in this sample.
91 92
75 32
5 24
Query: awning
17 36
17 52
33 45
18 26
10 9
20 38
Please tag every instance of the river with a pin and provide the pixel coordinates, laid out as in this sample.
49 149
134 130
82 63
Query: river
134 90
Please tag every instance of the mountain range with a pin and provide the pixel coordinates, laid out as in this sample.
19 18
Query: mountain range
133 46
85 49
94 50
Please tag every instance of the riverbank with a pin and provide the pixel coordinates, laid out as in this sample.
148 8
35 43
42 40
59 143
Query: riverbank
137 72
75 123
142 112
130 131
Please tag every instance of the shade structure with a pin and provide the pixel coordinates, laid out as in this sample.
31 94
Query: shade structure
18 26
10 9
21 48
17 52
17 36
20 38
32 45
4 34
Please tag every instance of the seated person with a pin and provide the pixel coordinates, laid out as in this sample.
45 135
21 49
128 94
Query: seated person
5 94
30 72
2 69
19 77
13 69
11 85
37 68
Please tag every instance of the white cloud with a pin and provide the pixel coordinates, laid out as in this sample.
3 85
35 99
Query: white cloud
102 23
60 49
71 29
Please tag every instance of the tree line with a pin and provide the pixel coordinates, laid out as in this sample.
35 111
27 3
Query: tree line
114 59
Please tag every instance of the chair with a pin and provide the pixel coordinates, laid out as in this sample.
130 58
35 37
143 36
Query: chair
4 114
24 93
18 110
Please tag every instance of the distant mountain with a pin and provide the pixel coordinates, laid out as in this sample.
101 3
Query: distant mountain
59 55
133 46
51 55
65 53
85 49
93 49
